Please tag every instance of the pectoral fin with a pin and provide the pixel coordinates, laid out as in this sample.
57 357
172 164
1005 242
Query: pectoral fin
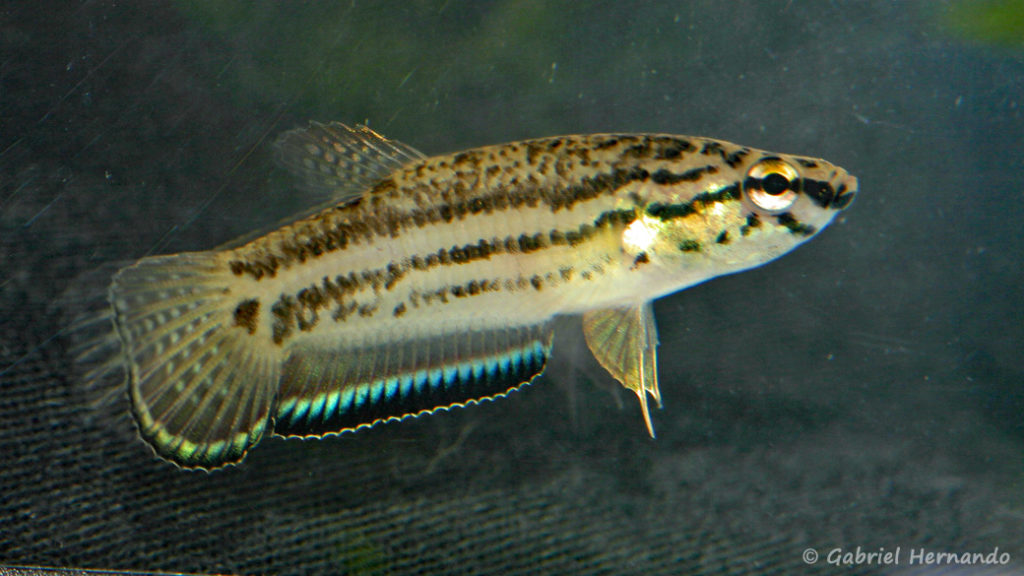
625 341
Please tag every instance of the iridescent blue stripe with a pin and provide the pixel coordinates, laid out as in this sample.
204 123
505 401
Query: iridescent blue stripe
458 380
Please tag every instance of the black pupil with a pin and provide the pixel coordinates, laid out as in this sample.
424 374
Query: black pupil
775 184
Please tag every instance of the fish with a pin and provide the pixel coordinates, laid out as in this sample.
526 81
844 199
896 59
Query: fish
428 283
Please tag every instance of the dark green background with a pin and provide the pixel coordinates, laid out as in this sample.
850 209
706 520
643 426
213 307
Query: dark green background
865 390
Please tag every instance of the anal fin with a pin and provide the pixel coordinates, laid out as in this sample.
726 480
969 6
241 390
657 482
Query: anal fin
327 390
625 340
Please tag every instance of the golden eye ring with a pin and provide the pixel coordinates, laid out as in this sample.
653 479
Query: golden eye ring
772 185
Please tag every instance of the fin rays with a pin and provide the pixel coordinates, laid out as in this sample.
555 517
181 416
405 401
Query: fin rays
339 162
329 391
624 341
201 389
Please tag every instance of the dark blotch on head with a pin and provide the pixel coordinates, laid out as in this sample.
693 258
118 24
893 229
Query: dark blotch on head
820 191
689 246
843 201
795 226
752 222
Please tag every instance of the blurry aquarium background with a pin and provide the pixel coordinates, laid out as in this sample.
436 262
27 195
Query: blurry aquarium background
863 391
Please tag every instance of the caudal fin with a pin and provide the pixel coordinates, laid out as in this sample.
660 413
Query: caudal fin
201 385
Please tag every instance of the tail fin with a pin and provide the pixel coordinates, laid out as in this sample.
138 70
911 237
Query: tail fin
90 338
201 385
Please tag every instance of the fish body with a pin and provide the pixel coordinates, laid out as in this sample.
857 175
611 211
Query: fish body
432 282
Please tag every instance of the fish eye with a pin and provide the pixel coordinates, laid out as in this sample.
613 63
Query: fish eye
772 184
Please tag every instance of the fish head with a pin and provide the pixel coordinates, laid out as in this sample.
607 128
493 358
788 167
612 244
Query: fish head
750 210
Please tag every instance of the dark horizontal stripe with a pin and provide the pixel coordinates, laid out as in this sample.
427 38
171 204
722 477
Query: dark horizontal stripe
302 311
666 177
590 188
472 288
312 240
681 210
467 191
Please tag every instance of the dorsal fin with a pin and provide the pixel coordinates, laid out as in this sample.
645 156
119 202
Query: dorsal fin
339 162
